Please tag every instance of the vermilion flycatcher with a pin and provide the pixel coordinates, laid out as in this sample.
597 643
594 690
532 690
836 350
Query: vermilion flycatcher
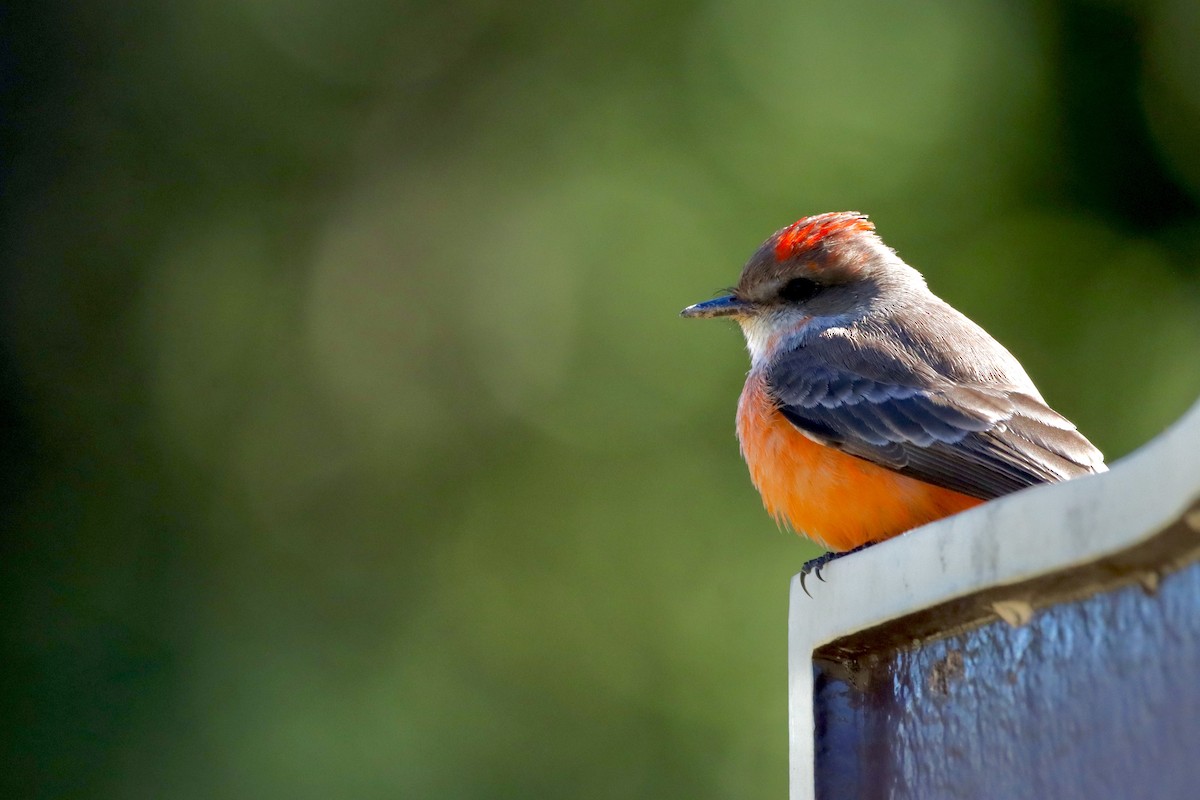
872 406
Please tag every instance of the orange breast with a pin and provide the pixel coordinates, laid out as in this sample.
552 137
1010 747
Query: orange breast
837 500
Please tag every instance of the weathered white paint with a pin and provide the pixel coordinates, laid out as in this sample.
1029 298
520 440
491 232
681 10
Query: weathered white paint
1031 533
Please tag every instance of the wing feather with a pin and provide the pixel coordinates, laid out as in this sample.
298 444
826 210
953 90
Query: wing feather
870 400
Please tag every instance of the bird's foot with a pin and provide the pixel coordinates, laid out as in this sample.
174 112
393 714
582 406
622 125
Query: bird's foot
815 566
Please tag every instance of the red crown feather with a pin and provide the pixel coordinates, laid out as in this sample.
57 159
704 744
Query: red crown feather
808 232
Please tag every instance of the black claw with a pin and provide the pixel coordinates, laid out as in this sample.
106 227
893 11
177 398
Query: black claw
817 564
813 567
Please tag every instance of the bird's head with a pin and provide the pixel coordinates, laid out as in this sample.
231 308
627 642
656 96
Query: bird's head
829 266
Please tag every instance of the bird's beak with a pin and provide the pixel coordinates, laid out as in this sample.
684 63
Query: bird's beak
727 306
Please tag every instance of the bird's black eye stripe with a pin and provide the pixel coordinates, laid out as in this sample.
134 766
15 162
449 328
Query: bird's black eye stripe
798 290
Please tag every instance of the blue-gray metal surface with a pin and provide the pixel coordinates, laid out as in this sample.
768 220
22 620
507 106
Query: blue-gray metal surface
1094 697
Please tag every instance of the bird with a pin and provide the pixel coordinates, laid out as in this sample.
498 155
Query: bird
872 406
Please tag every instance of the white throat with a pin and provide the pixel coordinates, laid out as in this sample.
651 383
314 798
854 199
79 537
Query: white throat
759 332
767 333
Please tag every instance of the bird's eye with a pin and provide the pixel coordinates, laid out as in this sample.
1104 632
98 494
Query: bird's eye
798 290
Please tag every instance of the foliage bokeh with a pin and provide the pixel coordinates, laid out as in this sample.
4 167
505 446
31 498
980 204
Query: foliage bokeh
352 444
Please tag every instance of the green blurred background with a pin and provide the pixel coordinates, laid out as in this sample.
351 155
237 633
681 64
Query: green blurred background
352 444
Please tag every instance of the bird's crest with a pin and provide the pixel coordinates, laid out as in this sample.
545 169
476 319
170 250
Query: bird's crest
808 232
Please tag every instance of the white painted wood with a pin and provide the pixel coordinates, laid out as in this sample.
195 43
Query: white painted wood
1033 532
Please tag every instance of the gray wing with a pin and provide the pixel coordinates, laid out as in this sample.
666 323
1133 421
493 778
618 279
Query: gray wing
873 400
